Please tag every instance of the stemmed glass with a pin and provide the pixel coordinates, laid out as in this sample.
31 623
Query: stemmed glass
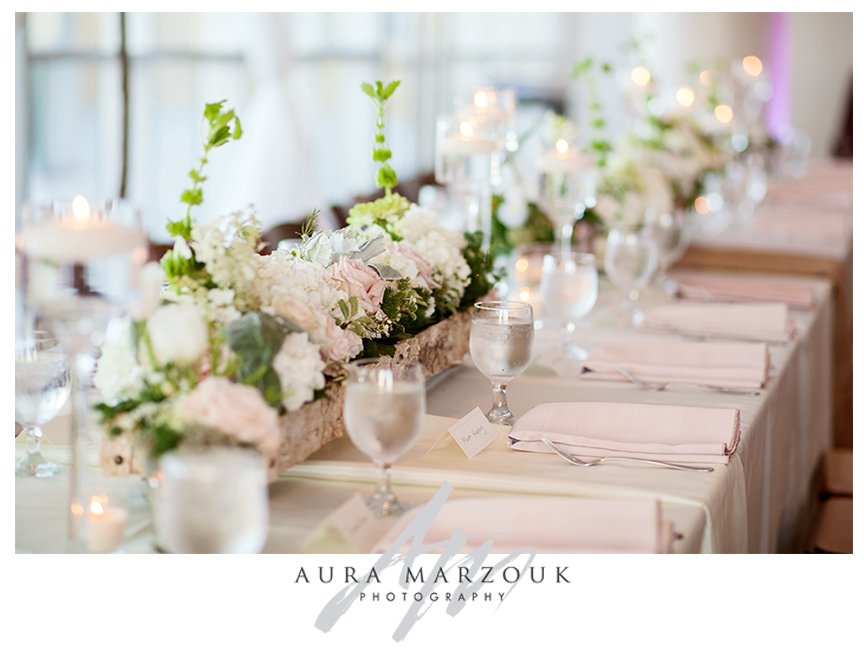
569 292
81 264
671 233
502 333
630 262
41 390
567 187
384 407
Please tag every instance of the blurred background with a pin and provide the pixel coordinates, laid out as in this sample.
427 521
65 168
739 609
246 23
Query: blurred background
109 104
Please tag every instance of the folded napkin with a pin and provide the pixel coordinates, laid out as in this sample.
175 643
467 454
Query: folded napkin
653 431
546 525
715 286
730 365
756 322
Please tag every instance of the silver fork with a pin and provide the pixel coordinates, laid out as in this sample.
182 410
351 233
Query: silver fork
579 462
661 386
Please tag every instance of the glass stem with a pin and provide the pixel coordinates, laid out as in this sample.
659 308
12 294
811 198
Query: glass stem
34 440
499 397
566 236
384 487
77 538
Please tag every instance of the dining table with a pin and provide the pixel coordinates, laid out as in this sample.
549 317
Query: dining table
762 500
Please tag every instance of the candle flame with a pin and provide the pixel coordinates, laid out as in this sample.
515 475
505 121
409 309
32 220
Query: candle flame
685 96
702 205
640 75
562 146
752 65
97 505
525 294
481 99
521 265
705 77
76 509
466 129
80 208
723 113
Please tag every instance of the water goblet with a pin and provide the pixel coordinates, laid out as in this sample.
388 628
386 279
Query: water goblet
41 390
569 292
502 333
671 232
384 407
630 262
213 500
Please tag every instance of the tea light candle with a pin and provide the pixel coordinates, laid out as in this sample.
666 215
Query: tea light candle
105 525
79 236
562 159
467 143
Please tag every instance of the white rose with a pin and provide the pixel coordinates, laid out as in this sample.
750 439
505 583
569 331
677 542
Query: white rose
118 374
178 333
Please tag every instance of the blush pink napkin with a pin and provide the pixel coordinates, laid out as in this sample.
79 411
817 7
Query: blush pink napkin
720 287
547 525
731 365
757 321
654 431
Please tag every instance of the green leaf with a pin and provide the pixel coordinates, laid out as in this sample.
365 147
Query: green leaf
195 176
386 176
238 130
598 123
212 110
390 89
192 196
367 88
179 228
381 154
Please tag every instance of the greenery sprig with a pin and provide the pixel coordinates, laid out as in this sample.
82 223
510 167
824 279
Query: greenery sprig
222 126
586 70
380 94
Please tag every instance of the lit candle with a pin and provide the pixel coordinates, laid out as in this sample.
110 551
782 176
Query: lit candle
752 65
641 76
562 158
685 96
105 525
467 143
80 236
723 113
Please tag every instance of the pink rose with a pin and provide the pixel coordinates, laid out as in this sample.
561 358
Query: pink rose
360 281
341 345
233 409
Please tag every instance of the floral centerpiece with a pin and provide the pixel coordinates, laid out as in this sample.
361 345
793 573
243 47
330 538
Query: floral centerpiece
244 348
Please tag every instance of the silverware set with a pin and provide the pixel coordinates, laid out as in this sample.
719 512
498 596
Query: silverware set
581 462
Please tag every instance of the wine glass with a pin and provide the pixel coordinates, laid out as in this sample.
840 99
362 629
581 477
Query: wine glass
567 187
213 500
384 407
41 390
569 292
501 336
671 232
630 262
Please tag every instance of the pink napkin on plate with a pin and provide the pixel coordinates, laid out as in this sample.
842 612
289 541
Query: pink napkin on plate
753 322
546 525
721 287
729 365
653 431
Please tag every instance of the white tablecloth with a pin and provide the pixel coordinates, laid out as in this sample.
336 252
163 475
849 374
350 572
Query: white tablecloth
757 503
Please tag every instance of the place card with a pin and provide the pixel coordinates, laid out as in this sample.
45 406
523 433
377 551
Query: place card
474 432
351 528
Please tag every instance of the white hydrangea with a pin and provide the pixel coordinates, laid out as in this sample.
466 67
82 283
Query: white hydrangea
300 368
441 247
299 290
228 248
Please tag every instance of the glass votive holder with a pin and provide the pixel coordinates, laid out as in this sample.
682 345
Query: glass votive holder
467 152
526 272
213 500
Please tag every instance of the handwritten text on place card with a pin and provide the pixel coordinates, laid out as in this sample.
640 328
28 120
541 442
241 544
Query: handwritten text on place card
474 433
355 525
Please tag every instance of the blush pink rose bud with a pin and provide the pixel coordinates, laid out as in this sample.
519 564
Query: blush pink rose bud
360 281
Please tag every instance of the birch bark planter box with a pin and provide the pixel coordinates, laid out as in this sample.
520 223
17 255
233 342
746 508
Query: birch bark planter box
437 348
